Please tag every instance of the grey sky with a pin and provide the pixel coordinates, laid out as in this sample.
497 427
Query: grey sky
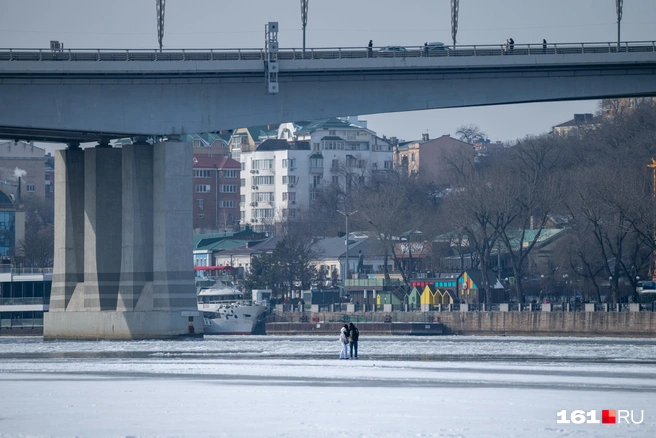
342 23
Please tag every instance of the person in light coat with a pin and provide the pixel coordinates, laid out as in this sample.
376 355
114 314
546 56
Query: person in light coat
343 340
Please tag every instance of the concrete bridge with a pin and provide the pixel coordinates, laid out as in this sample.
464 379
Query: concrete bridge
89 95
123 266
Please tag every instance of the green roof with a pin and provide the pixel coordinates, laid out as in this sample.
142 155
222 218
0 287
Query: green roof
332 123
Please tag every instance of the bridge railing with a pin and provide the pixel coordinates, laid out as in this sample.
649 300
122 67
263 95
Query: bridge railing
325 53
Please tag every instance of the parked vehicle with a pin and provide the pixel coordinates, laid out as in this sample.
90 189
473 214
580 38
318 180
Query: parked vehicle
393 49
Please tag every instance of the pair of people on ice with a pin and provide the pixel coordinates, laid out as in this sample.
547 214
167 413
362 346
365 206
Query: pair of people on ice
348 336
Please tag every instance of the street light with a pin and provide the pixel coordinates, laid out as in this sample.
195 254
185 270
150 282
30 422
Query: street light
345 273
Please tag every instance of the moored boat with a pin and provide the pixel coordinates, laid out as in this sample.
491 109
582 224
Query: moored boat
226 312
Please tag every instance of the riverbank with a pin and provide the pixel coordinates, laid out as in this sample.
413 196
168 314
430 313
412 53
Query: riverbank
586 324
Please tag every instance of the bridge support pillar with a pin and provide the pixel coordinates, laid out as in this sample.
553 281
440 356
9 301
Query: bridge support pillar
123 265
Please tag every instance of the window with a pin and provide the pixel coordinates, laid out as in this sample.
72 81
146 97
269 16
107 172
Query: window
335 180
242 182
264 213
227 204
30 188
200 216
412 157
316 162
263 196
229 173
242 198
262 180
262 164
289 179
335 164
361 164
315 146
200 203
289 163
201 173
316 180
228 188
202 188
289 196
388 165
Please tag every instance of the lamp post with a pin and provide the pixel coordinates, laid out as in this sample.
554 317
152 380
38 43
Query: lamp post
345 273
304 13
618 8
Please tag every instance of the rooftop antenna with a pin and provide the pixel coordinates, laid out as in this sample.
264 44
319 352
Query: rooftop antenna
455 7
304 12
161 4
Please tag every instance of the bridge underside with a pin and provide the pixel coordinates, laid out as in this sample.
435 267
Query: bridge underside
130 99
122 238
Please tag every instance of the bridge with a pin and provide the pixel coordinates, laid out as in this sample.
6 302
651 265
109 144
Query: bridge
83 95
123 268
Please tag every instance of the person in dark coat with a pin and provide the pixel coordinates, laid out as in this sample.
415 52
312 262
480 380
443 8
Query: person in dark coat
511 43
544 45
354 334
370 50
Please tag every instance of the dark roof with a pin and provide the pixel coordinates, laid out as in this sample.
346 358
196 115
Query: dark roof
332 137
273 144
265 245
203 161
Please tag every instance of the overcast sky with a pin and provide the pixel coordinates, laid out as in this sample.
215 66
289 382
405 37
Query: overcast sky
201 24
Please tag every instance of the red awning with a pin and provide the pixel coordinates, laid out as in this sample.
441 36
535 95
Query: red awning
213 268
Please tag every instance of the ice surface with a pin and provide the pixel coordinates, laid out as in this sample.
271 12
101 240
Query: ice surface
296 387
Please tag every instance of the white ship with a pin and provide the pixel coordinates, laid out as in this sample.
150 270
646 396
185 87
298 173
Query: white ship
225 312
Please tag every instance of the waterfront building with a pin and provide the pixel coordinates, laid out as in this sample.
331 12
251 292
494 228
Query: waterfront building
284 169
24 297
216 193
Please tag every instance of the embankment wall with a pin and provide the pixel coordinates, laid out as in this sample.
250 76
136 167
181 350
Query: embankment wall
613 324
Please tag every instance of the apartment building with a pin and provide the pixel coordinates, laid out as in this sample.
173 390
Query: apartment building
284 169
216 193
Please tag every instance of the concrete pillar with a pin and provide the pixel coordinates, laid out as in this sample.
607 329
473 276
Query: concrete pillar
634 307
68 269
102 227
103 245
173 270
589 307
547 307
504 307
137 232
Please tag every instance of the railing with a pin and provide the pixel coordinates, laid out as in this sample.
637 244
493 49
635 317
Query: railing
371 282
9 269
323 53
21 323
21 301
473 307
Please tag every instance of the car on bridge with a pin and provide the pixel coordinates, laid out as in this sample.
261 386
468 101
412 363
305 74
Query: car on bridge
392 49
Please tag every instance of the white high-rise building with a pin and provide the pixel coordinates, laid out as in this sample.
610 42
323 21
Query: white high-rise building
284 174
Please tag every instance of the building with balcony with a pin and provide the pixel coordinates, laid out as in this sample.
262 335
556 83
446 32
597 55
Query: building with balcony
284 172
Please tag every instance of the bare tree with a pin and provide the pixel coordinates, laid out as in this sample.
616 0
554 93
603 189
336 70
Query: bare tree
470 133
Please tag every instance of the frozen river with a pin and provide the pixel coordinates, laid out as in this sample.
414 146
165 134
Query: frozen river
296 387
